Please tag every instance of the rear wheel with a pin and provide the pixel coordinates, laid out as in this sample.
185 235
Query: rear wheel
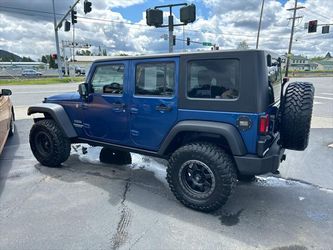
113 156
246 178
48 143
201 176
296 112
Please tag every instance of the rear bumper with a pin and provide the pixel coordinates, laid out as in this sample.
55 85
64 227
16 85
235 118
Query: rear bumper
253 164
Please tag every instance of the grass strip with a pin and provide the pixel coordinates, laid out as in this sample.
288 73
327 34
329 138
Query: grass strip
40 81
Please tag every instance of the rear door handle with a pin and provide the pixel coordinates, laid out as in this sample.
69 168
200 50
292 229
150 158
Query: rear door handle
118 106
134 110
163 107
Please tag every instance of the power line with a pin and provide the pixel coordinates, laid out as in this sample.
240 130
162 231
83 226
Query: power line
10 9
318 14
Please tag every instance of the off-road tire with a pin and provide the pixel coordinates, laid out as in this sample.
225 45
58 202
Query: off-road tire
221 166
12 125
112 156
246 178
48 143
296 112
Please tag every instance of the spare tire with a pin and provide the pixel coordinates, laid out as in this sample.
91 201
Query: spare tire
296 112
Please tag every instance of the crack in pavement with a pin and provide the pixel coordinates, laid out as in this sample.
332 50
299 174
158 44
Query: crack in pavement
121 235
142 235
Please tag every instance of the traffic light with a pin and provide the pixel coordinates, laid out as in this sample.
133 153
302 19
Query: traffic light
154 17
325 29
74 16
312 26
87 6
67 26
187 14
174 40
188 41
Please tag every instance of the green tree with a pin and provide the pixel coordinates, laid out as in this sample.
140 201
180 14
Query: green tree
122 54
44 59
243 45
52 63
27 59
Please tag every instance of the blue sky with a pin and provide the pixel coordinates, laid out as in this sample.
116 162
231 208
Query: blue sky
120 26
134 13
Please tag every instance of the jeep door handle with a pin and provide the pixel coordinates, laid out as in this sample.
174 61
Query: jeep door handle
118 106
163 107
84 105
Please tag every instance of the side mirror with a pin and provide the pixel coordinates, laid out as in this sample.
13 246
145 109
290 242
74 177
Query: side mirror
83 90
6 92
269 60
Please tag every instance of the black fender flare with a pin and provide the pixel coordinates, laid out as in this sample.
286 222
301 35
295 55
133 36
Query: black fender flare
58 114
228 131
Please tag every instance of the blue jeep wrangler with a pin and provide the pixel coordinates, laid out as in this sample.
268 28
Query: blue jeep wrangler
216 116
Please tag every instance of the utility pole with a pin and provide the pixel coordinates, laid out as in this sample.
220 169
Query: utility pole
261 12
292 33
57 42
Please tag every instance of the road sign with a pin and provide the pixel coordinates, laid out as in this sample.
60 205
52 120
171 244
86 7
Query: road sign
207 44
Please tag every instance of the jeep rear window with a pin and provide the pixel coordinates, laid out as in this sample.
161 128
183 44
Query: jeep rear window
108 79
155 79
213 79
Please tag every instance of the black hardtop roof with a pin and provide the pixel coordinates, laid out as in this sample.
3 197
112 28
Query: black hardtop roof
168 55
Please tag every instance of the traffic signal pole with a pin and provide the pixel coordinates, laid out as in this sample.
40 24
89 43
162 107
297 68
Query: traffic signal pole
59 62
170 31
155 18
56 28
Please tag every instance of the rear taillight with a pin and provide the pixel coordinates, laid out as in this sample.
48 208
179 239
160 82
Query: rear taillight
264 124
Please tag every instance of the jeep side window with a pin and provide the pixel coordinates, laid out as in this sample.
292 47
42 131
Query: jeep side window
274 80
108 79
155 79
213 79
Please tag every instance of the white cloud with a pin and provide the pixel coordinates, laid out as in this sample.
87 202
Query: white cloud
229 23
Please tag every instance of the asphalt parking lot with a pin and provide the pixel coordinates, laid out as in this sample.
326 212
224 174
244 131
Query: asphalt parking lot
90 205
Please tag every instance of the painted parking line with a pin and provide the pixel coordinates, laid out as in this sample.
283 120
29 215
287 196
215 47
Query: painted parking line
327 94
324 97
38 92
318 103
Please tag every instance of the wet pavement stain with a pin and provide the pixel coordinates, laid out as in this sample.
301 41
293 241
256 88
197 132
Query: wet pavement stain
230 219
291 247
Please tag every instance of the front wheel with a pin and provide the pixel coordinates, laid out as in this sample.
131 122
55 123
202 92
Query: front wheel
12 125
201 176
48 143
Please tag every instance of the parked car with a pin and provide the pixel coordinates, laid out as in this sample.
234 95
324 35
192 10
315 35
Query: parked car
79 70
216 116
7 117
31 72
